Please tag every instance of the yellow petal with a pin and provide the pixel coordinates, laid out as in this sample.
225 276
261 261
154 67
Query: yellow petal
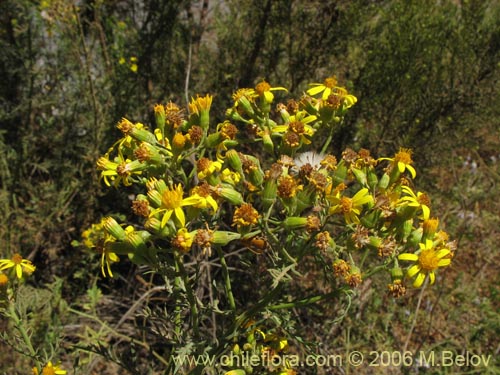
432 277
419 280
316 90
408 256
413 270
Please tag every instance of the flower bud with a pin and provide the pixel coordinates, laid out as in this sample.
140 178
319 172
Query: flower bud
234 160
228 193
113 228
269 193
143 135
224 237
295 222
360 176
384 181
397 273
160 117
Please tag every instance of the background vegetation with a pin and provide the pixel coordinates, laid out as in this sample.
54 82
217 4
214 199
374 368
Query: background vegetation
427 76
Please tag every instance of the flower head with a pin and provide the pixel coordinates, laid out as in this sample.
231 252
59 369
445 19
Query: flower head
172 202
50 369
245 215
426 261
402 161
263 90
350 207
18 264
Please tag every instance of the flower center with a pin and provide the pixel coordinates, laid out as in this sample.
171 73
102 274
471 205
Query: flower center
297 127
17 259
48 371
428 260
171 199
346 204
403 156
330 82
262 87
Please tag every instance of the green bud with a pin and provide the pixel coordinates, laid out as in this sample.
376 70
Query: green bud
269 193
397 273
230 194
143 135
294 222
384 181
407 228
360 176
372 178
224 237
415 237
234 159
340 174
268 143
256 176
113 228
246 105
213 140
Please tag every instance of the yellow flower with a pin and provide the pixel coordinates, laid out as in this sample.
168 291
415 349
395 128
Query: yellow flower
328 86
183 240
200 104
245 215
172 202
207 167
427 260
263 90
203 197
50 369
292 123
350 207
118 171
420 200
18 264
402 161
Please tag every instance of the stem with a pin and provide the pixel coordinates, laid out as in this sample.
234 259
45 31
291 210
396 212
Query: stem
416 314
227 281
26 338
304 301
190 296
177 284
327 142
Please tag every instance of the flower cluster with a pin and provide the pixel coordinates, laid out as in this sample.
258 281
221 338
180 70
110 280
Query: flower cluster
267 178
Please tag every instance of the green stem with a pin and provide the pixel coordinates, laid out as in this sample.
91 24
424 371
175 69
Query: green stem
304 301
190 296
177 285
227 281
26 338
328 141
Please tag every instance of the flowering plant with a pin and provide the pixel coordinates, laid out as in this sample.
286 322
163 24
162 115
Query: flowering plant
250 198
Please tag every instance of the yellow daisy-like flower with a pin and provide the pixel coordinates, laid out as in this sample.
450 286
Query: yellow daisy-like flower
350 207
402 161
200 104
183 240
427 260
204 198
263 90
50 369
420 200
18 264
245 215
118 171
298 125
207 167
172 202
327 87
